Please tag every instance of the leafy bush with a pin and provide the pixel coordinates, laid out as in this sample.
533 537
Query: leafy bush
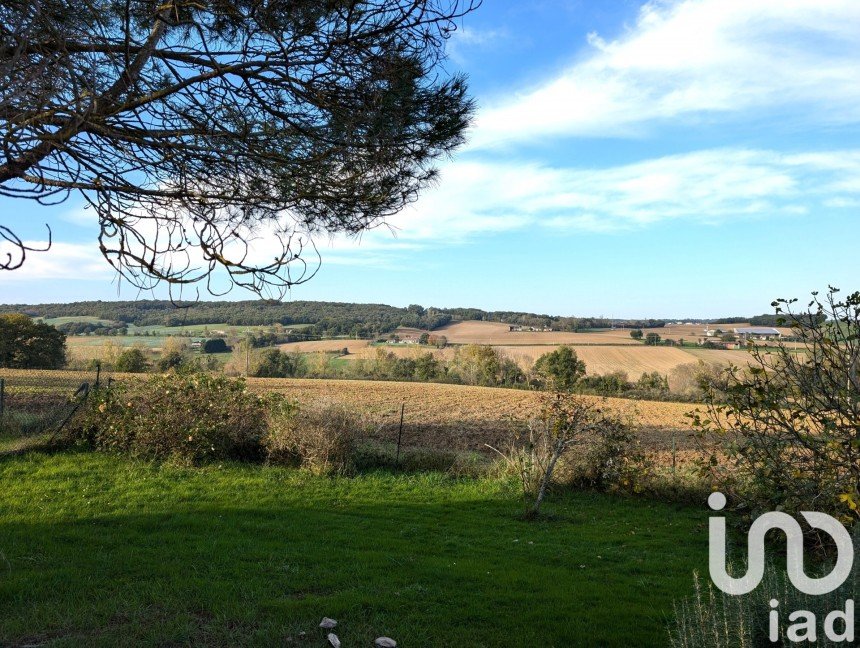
608 459
193 418
276 364
791 419
131 361
560 369
170 360
215 345
480 364
25 344
320 438
610 384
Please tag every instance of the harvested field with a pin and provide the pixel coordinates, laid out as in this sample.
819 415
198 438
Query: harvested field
436 415
461 417
402 351
496 333
315 346
718 356
633 360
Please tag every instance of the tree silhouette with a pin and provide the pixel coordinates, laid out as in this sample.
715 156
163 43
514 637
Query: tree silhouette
196 129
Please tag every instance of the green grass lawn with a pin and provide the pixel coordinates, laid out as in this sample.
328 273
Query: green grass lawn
97 550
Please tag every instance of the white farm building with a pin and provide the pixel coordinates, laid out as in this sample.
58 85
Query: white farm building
757 332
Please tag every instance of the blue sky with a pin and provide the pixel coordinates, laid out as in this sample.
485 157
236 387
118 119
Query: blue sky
669 159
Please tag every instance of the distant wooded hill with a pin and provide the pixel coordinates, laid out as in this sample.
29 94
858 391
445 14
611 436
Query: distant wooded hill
327 318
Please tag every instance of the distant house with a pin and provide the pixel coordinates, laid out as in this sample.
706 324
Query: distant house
757 333
530 329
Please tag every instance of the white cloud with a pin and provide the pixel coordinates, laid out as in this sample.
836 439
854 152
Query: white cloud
477 198
694 58
712 186
75 261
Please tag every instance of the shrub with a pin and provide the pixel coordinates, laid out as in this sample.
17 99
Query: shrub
215 345
713 618
131 361
693 380
565 421
560 369
276 364
193 418
792 419
170 360
321 438
653 382
609 458
610 384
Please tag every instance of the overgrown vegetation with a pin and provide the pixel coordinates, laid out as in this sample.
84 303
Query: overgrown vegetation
321 438
712 618
567 424
789 423
196 418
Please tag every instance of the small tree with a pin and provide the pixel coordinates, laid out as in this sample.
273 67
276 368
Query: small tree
131 361
170 360
25 344
216 345
636 334
560 369
793 417
652 339
275 364
427 367
564 421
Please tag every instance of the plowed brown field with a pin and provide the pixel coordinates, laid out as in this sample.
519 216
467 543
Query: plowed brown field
461 417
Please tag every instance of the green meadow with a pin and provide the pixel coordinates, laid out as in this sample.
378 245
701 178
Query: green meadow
99 550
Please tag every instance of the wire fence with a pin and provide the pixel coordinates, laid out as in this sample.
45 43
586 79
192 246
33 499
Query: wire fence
36 403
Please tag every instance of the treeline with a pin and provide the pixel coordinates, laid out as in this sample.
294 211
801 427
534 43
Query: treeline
92 328
327 318
764 320
488 366
554 322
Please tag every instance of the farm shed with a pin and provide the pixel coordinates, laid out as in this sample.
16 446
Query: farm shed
757 333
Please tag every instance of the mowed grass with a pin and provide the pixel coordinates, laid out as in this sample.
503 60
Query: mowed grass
97 550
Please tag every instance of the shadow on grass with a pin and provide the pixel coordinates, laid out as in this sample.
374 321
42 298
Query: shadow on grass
96 550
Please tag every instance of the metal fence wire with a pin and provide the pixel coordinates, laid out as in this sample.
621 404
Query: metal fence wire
36 402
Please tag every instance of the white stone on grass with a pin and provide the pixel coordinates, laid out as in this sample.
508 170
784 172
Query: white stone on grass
333 640
385 642
327 623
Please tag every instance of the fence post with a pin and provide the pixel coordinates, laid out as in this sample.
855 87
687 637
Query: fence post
400 433
98 371
2 395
